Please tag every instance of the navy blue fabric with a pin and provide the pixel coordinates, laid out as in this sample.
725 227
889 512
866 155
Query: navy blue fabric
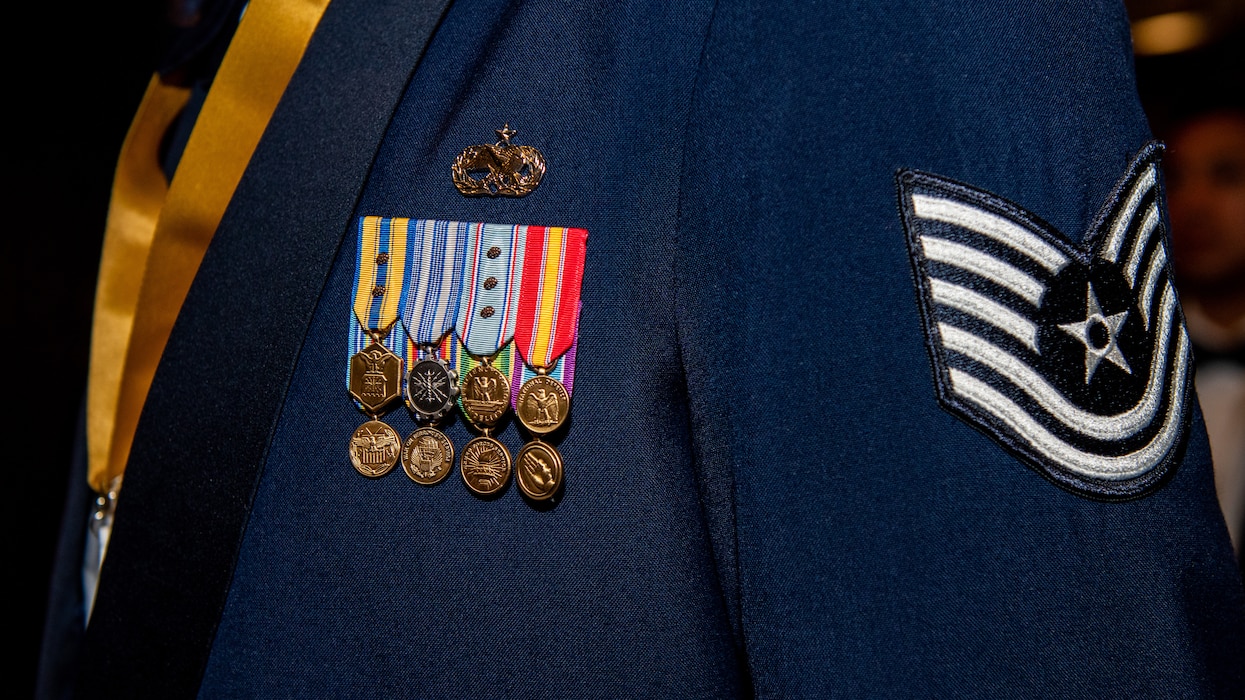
887 548
432 592
763 495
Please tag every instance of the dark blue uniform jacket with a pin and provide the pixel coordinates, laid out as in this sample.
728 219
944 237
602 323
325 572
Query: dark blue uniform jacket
764 493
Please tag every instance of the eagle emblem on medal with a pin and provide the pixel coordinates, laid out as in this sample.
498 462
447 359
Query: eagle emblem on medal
1075 358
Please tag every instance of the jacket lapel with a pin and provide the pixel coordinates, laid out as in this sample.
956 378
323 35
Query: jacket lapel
193 469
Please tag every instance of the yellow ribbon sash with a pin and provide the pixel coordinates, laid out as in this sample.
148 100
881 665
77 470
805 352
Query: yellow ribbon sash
158 235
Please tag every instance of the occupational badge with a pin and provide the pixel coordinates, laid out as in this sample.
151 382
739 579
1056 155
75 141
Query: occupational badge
374 372
1075 358
502 169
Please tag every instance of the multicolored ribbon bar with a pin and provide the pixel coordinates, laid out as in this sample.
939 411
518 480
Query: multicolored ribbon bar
493 283
434 271
377 288
488 303
548 312
378 275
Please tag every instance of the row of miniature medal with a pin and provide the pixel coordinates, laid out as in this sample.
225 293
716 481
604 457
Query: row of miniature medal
427 455
483 285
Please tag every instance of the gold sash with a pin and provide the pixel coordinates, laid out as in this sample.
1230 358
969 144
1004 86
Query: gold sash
156 235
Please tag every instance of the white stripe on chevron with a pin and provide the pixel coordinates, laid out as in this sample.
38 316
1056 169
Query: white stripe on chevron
986 265
1076 460
1119 225
992 226
1139 243
986 309
1024 377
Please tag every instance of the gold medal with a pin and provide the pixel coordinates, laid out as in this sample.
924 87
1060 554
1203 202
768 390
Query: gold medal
486 395
375 378
485 465
543 405
427 456
538 470
374 448
375 382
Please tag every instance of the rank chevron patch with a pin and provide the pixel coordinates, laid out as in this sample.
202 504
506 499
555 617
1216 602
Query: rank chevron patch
1075 358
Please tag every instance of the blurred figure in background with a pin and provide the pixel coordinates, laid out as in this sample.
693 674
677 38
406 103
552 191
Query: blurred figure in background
1206 200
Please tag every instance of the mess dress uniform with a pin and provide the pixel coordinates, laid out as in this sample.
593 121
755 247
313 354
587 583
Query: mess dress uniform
770 489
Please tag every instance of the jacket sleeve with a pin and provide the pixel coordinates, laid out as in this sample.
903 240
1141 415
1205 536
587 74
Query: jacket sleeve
904 529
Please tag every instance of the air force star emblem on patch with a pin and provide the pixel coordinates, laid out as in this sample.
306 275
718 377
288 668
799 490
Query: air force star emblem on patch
1074 358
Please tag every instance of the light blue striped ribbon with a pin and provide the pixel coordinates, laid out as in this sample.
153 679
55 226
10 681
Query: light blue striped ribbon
481 332
434 271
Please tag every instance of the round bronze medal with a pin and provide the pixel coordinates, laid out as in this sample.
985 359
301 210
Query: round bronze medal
543 404
430 389
374 448
485 465
538 470
486 395
427 456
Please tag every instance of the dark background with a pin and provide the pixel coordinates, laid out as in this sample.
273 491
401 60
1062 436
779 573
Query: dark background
77 74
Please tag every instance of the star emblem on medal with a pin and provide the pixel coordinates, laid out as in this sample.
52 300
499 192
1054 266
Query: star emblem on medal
1074 358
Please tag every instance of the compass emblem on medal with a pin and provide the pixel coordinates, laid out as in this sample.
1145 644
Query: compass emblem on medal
431 387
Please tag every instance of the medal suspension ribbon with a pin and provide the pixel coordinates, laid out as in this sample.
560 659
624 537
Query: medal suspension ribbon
434 271
487 310
545 330
375 373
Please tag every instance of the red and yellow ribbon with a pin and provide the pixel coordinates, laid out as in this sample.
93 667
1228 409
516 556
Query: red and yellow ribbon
548 314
